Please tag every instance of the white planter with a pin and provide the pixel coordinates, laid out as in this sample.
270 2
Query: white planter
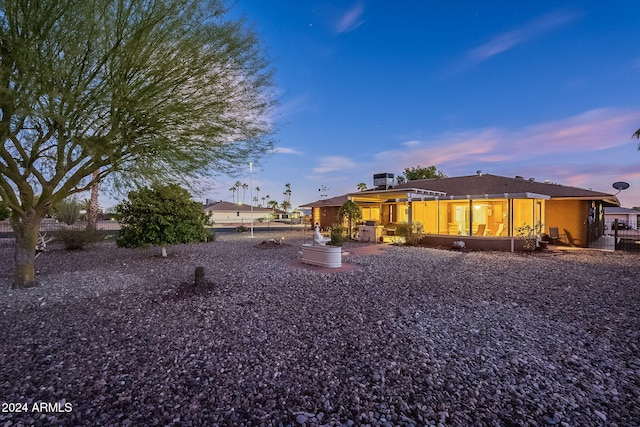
324 256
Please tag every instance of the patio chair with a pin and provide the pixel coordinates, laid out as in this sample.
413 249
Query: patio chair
554 235
481 230
500 228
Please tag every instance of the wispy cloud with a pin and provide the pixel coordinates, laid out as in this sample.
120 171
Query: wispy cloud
286 150
351 19
511 39
333 163
581 138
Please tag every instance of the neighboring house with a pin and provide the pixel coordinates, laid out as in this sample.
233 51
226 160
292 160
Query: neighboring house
484 206
629 216
233 213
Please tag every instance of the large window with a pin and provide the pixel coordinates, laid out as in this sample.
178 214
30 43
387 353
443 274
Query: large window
490 217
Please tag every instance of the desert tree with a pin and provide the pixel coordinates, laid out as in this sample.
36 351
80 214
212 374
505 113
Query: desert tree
351 213
420 172
131 91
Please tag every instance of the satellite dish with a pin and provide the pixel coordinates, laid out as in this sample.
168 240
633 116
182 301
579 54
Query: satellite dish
620 185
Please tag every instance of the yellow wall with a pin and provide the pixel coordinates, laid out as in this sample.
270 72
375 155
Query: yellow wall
569 216
370 213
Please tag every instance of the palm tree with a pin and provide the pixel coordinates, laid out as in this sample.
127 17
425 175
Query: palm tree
244 191
257 197
94 207
273 204
263 200
636 135
233 194
287 193
286 205
362 186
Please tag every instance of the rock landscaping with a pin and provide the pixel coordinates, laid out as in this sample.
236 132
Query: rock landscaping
413 337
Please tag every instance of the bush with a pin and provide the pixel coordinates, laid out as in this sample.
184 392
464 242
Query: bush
68 210
337 235
77 239
241 229
412 233
161 215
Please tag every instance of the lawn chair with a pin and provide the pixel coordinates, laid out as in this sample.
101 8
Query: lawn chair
481 230
554 235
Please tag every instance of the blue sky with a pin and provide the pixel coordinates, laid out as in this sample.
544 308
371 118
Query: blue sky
542 89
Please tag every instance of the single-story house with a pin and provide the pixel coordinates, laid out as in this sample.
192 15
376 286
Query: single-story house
629 216
480 206
238 213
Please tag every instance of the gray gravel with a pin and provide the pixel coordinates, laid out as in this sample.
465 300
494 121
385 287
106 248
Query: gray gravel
413 337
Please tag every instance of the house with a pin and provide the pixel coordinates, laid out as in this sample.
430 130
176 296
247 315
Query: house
222 212
325 211
630 217
483 206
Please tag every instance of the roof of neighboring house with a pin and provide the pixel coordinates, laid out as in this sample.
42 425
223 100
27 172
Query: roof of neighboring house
323 203
222 206
621 211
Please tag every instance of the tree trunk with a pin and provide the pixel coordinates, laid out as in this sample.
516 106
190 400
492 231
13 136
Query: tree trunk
92 213
26 230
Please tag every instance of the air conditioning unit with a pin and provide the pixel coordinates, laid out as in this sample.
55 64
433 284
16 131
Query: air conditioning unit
383 181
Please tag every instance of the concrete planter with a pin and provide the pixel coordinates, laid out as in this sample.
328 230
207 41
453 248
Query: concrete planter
324 256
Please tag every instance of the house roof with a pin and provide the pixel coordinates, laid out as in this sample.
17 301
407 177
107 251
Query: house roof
620 211
476 186
323 203
235 207
494 184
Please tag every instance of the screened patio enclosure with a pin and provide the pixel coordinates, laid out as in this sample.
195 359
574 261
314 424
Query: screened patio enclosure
477 215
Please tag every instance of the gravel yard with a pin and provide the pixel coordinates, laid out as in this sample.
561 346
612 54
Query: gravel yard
412 337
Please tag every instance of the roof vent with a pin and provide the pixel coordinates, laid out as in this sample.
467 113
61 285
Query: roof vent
532 179
547 181
519 177
479 172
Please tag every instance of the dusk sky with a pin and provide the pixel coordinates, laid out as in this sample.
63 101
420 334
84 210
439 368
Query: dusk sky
542 89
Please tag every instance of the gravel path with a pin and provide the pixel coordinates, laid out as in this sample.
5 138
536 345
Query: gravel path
413 337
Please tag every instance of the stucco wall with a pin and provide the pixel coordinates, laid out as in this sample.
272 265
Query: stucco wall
570 217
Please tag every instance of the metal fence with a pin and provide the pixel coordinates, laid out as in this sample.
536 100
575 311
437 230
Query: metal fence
49 225
618 236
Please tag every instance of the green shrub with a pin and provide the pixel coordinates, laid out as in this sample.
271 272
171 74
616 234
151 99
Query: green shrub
161 215
77 239
241 229
68 210
412 233
337 235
